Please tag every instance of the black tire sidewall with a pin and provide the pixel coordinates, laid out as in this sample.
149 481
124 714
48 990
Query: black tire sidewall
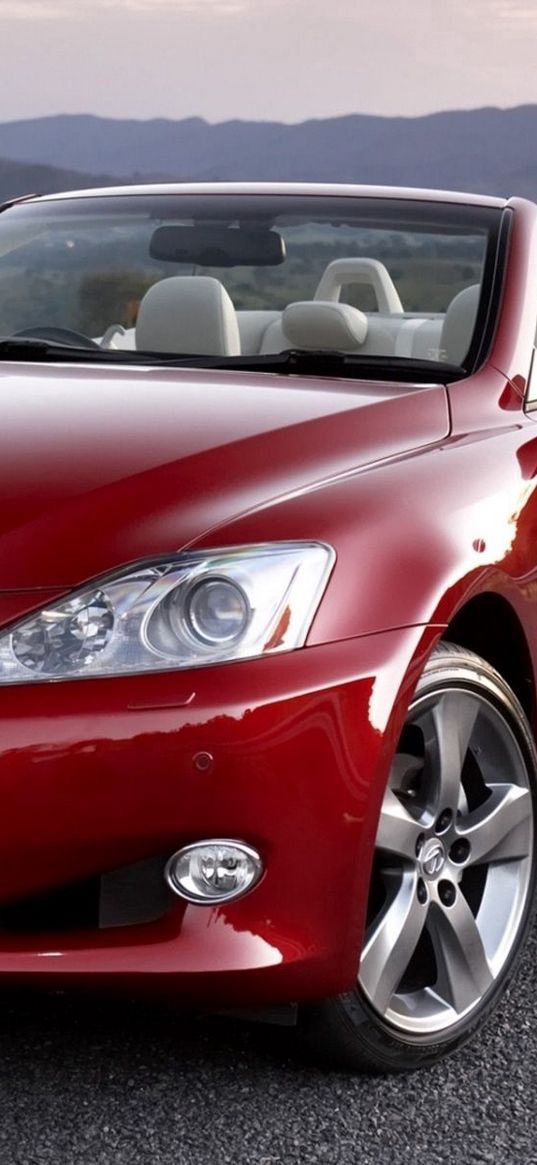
352 1033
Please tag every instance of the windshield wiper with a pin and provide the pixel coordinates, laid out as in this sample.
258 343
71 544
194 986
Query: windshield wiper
327 362
20 347
60 351
324 362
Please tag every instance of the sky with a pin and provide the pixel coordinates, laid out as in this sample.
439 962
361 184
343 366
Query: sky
284 60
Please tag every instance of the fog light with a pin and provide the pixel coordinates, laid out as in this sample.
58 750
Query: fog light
213 871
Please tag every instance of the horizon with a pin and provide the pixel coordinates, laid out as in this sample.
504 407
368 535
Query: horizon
194 117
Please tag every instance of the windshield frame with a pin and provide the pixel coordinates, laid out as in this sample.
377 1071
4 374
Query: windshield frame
414 214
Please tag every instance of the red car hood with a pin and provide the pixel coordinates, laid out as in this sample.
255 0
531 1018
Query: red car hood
99 467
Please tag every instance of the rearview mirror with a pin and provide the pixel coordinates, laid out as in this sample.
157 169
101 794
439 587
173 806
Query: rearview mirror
212 245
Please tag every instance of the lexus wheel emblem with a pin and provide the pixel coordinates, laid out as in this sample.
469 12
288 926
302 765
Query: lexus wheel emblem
433 858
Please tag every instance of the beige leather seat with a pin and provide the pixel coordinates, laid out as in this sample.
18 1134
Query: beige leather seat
313 324
459 324
371 272
188 313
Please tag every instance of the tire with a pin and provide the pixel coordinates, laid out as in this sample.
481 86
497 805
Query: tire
452 888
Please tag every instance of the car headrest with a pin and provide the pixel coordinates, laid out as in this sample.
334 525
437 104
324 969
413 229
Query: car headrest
359 269
188 313
314 324
459 324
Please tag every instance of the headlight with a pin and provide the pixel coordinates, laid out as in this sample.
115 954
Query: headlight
198 608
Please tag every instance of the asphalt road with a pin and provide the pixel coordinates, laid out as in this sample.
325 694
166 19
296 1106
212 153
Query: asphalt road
94 1081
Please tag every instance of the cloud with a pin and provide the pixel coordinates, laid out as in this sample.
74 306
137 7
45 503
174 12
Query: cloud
207 7
35 10
515 15
512 15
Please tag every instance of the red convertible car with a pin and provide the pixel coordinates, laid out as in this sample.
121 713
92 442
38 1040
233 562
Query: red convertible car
268 603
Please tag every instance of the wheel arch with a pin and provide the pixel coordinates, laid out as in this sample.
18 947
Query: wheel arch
488 625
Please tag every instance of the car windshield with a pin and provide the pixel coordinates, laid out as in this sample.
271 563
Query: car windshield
233 276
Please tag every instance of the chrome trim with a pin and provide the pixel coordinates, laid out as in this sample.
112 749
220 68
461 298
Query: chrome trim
248 850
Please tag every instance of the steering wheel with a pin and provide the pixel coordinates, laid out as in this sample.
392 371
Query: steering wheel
65 336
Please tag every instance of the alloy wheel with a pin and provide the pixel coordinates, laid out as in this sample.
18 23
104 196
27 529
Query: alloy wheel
453 861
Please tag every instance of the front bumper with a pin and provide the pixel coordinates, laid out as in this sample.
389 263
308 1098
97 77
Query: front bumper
101 773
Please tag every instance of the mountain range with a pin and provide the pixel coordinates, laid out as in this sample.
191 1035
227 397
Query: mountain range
484 150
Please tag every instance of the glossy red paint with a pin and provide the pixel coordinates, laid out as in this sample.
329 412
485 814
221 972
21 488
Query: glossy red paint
155 478
105 770
426 494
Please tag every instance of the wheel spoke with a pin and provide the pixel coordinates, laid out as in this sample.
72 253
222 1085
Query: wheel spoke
500 830
452 872
391 944
448 732
398 832
464 974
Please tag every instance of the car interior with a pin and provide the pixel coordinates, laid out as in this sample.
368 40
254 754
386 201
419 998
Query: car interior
196 314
